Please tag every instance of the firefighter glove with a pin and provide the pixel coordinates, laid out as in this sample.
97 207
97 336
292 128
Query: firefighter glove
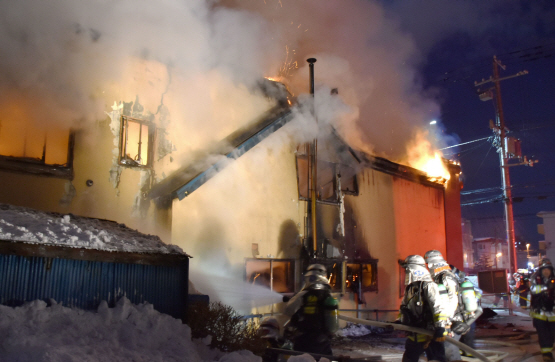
440 334
461 328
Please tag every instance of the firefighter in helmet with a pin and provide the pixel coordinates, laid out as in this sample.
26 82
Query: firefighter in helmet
313 313
469 306
423 307
448 283
541 310
269 331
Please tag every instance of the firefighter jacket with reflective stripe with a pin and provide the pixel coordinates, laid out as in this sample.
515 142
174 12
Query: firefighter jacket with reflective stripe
311 317
422 306
451 283
543 296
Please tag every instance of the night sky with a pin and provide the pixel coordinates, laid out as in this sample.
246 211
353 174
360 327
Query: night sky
458 40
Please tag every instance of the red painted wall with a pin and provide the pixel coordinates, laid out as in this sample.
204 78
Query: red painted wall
453 219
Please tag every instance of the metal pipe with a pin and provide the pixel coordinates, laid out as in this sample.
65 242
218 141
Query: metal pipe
314 163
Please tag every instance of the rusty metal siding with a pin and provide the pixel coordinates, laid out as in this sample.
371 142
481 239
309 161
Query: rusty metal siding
84 284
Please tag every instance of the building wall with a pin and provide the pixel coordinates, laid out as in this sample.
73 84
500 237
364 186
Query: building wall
549 233
254 200
453 228
93 160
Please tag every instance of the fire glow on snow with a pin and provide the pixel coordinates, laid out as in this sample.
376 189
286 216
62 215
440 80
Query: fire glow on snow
127 332
33 226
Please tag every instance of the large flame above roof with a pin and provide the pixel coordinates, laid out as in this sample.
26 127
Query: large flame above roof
423 156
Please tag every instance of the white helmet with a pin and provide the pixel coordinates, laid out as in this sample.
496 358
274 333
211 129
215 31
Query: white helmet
316 276
415 269
433 257
436 263
269 328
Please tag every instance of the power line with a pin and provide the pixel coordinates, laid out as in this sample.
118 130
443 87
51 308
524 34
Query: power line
465 143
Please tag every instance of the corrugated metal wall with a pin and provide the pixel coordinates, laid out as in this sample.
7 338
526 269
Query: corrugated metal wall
84 284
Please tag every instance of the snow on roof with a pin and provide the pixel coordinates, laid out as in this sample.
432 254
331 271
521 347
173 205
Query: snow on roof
39 227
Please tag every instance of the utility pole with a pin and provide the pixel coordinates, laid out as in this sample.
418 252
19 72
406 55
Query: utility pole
499 131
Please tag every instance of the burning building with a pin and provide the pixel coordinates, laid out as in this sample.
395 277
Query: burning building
243 206
187 143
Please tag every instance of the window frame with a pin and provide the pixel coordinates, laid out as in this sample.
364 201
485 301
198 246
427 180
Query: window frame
342 267
124 120
336 169
292 268
38 167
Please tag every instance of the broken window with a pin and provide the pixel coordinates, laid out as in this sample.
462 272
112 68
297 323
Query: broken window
362 276
136 141
275 274
38 148
330 177
356 276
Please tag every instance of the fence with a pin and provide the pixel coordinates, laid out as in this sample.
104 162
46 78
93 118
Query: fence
82 278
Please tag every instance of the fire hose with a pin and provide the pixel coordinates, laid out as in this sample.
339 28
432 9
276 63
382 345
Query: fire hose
462 346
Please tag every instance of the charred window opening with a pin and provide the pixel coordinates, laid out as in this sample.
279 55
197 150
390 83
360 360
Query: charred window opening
40 149
275 274
355 277
330 178
136 142
362 276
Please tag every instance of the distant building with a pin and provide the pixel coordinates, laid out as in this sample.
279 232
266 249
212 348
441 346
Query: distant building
467 239
547 229
491 253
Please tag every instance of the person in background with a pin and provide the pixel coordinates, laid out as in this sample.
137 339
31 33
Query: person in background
542 289
313 313
441 274
422 307
523 288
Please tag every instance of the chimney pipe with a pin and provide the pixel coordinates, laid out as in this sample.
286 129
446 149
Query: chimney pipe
313 149
311 62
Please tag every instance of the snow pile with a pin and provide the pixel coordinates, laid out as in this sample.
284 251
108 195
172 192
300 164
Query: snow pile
127 332
33 226
354 330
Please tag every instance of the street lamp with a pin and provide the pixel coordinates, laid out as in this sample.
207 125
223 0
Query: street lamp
528 250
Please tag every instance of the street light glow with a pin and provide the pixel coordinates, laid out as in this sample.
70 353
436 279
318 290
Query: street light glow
433 121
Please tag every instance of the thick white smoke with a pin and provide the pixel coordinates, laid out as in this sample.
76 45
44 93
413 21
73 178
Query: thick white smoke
63 58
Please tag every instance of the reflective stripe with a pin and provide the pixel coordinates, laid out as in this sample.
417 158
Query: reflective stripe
546 350
536 289
543 316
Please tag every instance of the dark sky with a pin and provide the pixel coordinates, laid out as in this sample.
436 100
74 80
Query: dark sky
458 40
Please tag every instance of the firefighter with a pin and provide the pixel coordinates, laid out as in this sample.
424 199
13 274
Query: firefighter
269 331
541 310
443 276
313 313
522 289
422 307
469 299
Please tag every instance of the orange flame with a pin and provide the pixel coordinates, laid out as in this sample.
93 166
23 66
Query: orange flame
423 156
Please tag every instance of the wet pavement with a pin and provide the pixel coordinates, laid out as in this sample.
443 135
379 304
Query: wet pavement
504 337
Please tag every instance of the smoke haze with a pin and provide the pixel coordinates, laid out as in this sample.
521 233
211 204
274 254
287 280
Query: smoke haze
201 59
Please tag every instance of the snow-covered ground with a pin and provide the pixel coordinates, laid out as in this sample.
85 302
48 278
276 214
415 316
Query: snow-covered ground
33 226
36 332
